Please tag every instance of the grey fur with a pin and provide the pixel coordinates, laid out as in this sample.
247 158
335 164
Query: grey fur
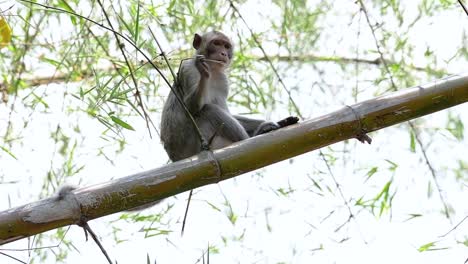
205 97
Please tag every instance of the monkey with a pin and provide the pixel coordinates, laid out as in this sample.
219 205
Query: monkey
203 86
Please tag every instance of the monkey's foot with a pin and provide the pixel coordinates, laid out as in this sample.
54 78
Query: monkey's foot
291 120
363 137
267 127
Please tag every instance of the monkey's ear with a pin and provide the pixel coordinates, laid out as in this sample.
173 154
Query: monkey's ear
197 40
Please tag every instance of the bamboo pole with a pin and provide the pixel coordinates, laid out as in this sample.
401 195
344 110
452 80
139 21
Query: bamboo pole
91 202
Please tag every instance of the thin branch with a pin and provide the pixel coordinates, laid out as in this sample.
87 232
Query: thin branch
62 77
87 230
48 8
267 58
186 212
413 128
209 141
116 67
6 255
455 227
431 169
377 45
356 64
298 112
463 6
351 215
130 69
163 54
29 249
19 68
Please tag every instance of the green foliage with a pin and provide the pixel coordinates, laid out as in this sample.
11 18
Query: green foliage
324 52
381 202
455 126
5 32
6 150
462 171
431 246
412 141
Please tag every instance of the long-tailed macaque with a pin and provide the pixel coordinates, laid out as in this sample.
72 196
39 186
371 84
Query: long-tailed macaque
203 86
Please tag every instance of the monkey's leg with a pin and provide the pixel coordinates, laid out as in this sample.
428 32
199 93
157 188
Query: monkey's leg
217 122
266 127
250 125
257 127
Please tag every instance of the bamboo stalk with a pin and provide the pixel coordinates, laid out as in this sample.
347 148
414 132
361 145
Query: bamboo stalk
120 194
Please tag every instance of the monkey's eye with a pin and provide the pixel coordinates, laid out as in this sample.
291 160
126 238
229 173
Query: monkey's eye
217 43
227 46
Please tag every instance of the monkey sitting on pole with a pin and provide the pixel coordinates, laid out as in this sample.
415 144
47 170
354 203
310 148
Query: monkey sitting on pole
203 87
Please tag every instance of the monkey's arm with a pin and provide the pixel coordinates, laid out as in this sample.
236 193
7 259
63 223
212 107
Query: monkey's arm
216 122
193 99
194 84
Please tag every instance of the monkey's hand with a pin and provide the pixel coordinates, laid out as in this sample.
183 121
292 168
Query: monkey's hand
266 127
291 120
202 66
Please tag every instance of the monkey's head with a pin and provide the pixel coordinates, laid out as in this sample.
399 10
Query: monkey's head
215 46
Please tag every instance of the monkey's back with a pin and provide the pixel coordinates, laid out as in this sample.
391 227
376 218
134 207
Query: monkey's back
177 133
179 137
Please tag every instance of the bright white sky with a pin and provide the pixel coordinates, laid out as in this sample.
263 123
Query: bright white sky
299 224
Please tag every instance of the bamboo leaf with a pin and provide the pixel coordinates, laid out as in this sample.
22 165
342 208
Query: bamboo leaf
121 123
412 142
5 32
8 152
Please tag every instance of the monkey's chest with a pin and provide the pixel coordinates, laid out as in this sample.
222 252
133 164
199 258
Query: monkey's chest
216 92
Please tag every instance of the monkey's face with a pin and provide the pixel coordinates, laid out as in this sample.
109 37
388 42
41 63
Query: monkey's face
216 47
219 49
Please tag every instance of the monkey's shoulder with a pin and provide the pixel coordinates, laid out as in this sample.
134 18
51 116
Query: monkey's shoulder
187 67
188 74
